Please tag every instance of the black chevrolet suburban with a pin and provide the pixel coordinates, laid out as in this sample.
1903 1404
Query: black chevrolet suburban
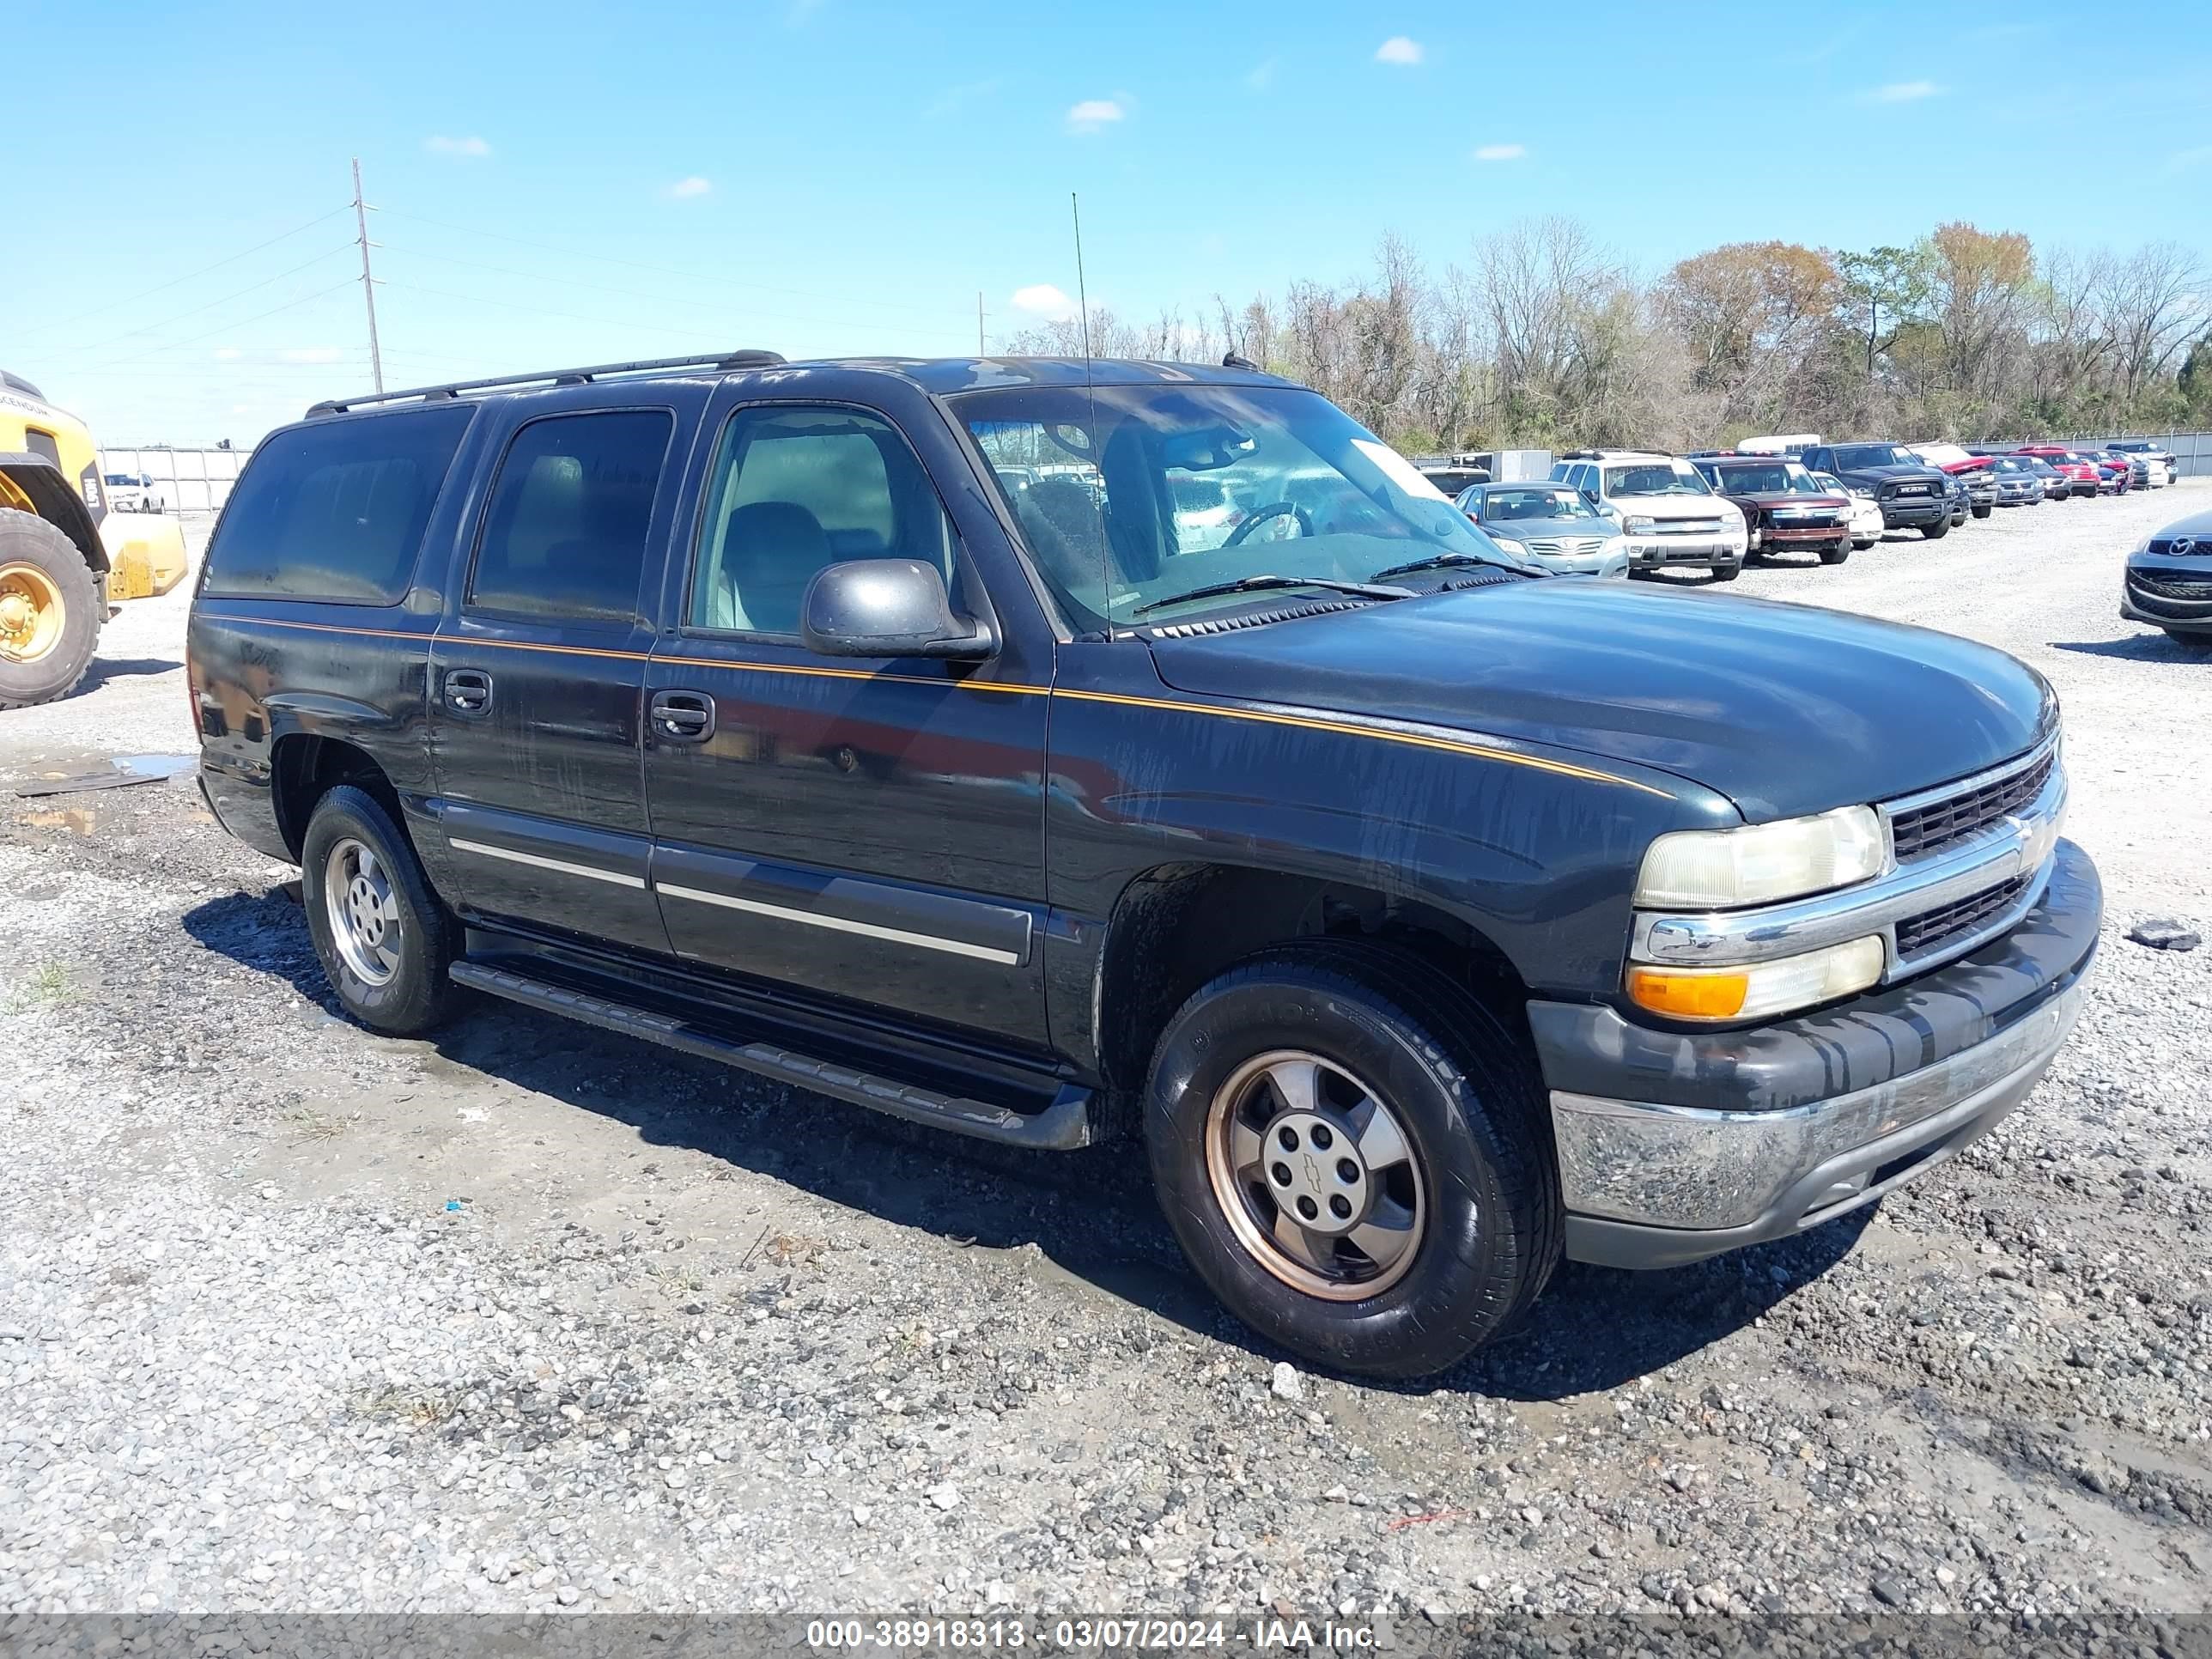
886 727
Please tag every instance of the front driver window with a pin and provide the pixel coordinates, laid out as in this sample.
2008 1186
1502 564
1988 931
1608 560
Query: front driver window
795 490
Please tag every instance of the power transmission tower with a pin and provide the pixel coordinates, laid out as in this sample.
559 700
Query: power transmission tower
367 282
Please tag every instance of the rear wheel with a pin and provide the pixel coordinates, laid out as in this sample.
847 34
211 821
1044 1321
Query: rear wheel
1982 509
385 940
1936 531
1354 1155
1835 552
49 612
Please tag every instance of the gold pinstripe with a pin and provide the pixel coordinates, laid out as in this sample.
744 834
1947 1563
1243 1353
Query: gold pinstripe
1340 727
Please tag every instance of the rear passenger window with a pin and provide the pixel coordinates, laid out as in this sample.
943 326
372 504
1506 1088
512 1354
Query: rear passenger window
565 533
335 511
794 489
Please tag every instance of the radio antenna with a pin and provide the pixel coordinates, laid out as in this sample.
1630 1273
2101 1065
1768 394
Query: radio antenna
1082 293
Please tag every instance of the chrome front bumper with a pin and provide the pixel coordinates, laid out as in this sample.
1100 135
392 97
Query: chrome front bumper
1689 1182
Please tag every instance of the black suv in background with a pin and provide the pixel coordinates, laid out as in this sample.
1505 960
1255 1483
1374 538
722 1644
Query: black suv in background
1913 494
888 727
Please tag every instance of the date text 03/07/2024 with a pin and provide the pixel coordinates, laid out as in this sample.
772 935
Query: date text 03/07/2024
1104 1634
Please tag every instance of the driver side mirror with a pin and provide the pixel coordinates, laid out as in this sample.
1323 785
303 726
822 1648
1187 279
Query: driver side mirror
887 608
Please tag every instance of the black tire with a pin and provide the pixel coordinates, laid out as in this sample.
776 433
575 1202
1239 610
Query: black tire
60 663
1982 509
2196 645
1836 552
1936 531
1726 572
1470 1104
417 996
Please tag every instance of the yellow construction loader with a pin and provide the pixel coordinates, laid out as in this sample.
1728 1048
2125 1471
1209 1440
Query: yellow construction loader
65 560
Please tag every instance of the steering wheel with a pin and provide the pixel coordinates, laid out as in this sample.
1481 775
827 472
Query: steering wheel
1273 510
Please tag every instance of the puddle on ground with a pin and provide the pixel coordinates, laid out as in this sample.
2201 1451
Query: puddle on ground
157 766
79 819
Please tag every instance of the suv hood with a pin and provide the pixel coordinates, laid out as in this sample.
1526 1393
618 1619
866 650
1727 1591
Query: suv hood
1909 474
1672 507
1783 709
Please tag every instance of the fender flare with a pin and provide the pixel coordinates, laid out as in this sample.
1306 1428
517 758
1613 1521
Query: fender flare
32 484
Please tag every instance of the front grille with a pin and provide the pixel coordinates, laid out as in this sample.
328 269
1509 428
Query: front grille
1892 491
1567 545
2171 588
1801 517
1687 527
2170 546
1929 828
1931 930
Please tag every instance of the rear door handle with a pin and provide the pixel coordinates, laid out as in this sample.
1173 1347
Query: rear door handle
468 690
683 716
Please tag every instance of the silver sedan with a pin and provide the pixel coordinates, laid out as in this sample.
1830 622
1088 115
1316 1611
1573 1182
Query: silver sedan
1550 524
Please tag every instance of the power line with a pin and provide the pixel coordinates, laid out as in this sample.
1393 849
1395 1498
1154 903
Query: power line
236 294
669 270
542 311
158 287
629 292
241 322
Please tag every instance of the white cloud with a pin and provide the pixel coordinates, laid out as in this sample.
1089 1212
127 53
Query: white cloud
1501 152
227 353
1261 76
472 148
1044 299
1904 91
311 355
1093 114
684 189
1399 49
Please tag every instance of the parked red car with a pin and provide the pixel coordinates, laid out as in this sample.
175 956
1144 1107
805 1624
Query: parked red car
2082 478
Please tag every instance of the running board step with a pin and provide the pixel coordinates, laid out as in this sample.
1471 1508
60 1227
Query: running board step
1063 1125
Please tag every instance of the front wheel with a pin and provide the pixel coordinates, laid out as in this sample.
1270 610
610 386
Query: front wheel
385 940
1982 509
1726 572
1835 553
2196 645
1354 1155
1936 531
49 612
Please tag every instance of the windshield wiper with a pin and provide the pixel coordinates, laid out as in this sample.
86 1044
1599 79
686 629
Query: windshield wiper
1443 561
1253 584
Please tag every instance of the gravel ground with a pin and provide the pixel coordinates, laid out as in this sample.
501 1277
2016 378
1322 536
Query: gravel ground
530 1317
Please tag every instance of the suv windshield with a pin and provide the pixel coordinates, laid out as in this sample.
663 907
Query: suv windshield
1777 479
1516 506
1854 457
1130 496
1655 478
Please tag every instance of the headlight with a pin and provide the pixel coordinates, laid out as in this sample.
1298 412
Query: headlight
1758 989
1640 526
1722 869
1519 550
1861 491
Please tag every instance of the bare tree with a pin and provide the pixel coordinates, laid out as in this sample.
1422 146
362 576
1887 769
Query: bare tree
2154 305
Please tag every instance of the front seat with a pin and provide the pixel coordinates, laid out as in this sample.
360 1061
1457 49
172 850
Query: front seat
771 551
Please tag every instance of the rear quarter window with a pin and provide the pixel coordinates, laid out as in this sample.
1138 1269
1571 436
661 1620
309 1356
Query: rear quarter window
335 512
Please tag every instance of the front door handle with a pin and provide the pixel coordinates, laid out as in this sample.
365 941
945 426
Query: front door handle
468 690
683 716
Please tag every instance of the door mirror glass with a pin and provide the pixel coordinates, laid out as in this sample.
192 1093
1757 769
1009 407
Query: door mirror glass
887 608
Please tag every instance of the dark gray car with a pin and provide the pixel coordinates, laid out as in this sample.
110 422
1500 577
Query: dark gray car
1554 525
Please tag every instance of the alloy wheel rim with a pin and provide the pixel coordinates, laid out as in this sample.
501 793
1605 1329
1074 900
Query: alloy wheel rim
362 910
1316 1176
31 612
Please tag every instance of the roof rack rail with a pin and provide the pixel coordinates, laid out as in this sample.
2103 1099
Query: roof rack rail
585 376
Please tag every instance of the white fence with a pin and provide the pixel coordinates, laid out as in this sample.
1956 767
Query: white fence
185 480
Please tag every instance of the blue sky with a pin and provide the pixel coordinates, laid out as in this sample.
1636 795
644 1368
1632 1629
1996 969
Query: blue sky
564 183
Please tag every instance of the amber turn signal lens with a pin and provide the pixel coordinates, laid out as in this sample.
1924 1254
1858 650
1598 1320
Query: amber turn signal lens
1688 996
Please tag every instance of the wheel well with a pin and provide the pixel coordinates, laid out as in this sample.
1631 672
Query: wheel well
1178 925
304 767
33 487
